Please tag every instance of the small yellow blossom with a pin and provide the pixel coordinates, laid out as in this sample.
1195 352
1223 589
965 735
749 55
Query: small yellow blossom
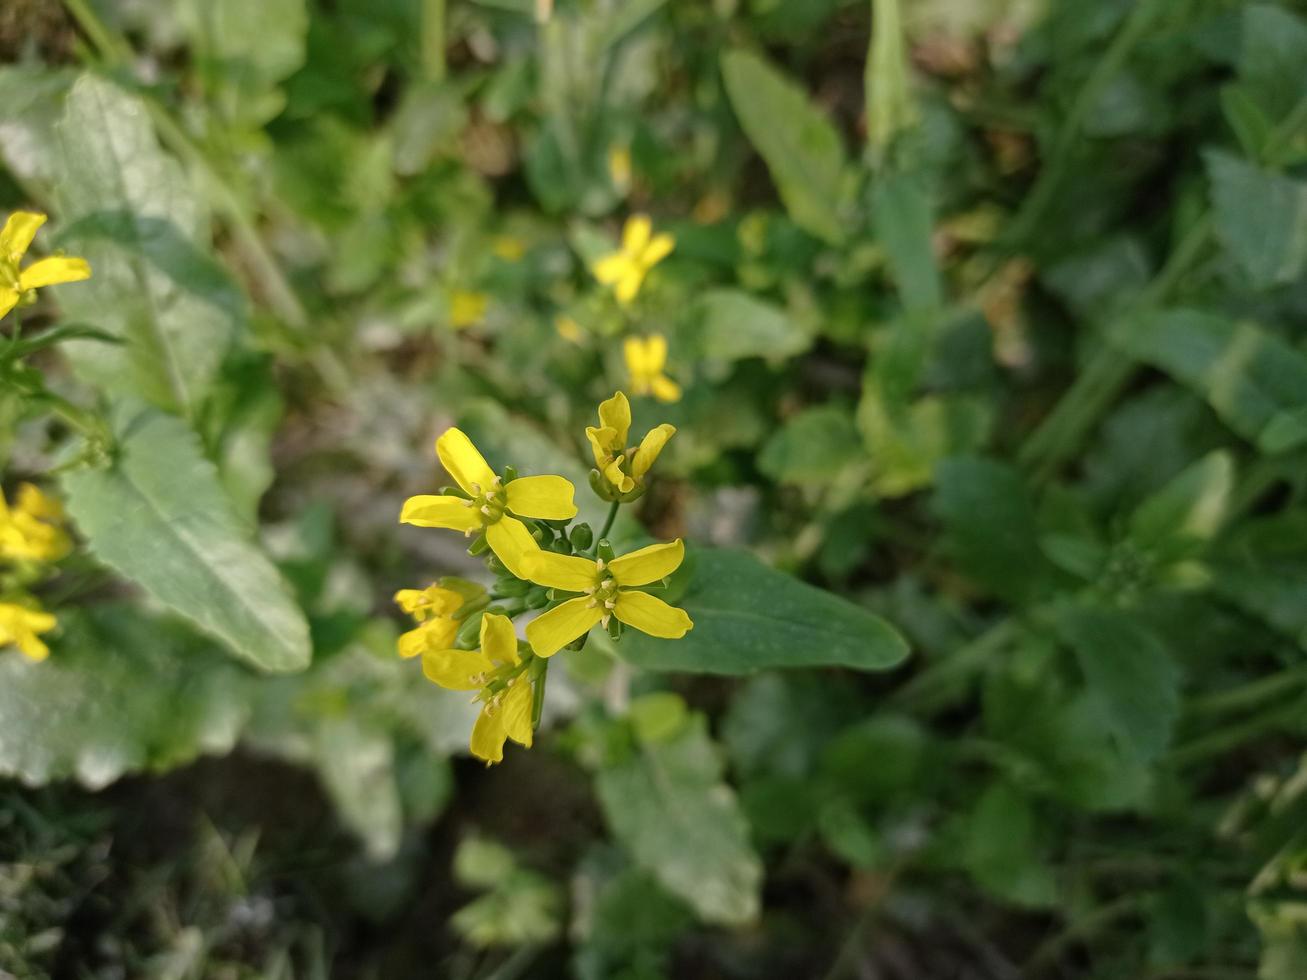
645 359
608 589
624 467
491 502
568 328
619 168
641 250
508 248
19 626
498 673
433 608
19 284
467 309
30 529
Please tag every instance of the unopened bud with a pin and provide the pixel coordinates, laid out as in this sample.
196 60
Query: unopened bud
582 537
605 550
537 599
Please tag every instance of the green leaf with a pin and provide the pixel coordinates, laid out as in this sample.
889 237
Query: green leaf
129 209
158 515
990 528
1253 380
356 763
885 77
1000 848
668 805
748 617
1189 509
1261 218
1273 56
730 325
1131 674
903 223
1262 567
801 147
812 447
122 692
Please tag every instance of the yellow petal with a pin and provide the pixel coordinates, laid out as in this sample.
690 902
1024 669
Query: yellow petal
628 287
613 474
658 249
568 573
428 510
488 735
655 353
665 389
548 498
38 504
515 708
551 631
651 615
498 639
457 670
512 543
615 414
463 462
8 299
601 444
54 270
435 634
611 268
32 647
635 236
431 601
637 359
18 233
650 446
648 564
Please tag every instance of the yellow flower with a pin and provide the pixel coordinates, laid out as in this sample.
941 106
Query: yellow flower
16 284
619 168
609 589
624 468
30 531
568 328
546 498
498 673
645 359
508 248
19 626
433 608
641 250
467 309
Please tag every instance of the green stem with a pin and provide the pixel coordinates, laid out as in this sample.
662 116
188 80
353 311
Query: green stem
1249 695
608 524
433 40
1222 740
928 689
1083 928
539 675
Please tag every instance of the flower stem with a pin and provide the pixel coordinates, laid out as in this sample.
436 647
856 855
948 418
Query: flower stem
539 674
608 524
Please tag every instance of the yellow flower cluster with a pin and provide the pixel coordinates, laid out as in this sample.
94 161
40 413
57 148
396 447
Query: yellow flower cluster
30 533
20 285
582 588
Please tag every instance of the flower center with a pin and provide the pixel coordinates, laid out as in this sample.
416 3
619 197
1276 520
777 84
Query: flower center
490 502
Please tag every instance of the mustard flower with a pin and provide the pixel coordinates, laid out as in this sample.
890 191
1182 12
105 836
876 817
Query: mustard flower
607 589
467 308
433 608
491 506
19 626
624 468
641 250
18 284
645 359
30 530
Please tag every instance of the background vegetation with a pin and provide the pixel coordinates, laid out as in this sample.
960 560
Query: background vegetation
989 323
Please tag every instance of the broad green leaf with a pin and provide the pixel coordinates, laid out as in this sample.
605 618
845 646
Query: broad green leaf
1130 673
1273 56
31 102
1261 218
158 515
802 149
122 691
989 526
1001 848
902 220
356 763
1262 567
812 447
1253 380
729 325
1190 507
668 805
127 207
748 617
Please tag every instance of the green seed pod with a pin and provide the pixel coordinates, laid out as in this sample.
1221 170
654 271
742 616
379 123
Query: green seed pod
538 598
615 628
469 634
606 550
582 537
454 492
479 545
510 474
513 587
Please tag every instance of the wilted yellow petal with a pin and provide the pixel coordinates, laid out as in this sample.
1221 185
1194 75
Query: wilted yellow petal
651 615
498 639
463 462
19 230
515 707
488 735
568 573
650 446
429 510
512 543
457 670
551 631
54 270
658 249
548 498
648 564
615 414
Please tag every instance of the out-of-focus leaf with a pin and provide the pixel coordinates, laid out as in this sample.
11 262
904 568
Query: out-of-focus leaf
668 805
1131 674
802 149
31 102
811 447
1273 56
1254 381
1001 850
748 617
1261 217
902 218
159 516
885 79
129 209
1188 509
357 766
1262 567
122 691
729 325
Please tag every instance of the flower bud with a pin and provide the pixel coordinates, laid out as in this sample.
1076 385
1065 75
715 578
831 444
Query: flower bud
606 550
582 537
469 634
513 587
537 599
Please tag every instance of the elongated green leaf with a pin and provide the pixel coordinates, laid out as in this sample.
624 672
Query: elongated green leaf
158 515
668 804
127 207
1188 509
748 617
903 224
729 325
1261 217
885 77
1130 673
121 692
1254 381
801 147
